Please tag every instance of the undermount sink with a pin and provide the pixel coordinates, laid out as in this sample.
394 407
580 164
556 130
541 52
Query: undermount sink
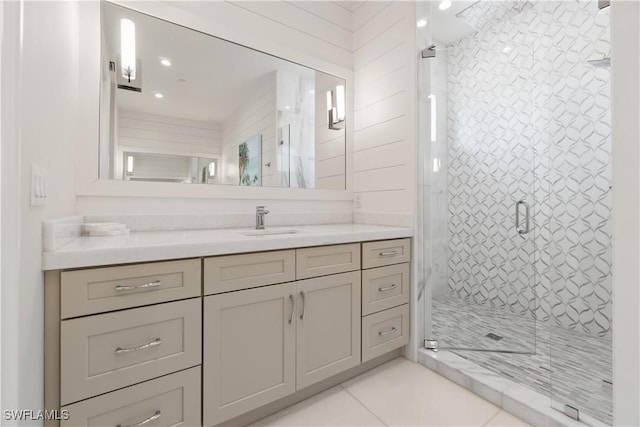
267 232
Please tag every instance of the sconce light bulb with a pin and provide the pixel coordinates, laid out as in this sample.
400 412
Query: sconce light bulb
165 62
159 95
128 49
340 102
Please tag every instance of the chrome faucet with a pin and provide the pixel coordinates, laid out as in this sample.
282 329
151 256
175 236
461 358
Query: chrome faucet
260 213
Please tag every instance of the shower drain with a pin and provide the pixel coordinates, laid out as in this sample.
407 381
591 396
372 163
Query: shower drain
493 336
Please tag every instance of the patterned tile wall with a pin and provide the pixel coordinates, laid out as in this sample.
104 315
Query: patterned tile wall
529 119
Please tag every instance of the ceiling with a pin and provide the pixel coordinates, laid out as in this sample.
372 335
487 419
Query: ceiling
209 78
446 28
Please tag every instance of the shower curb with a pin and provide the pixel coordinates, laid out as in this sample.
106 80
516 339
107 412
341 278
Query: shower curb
531 406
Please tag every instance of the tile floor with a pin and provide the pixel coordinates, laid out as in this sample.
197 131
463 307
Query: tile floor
398 393
568 366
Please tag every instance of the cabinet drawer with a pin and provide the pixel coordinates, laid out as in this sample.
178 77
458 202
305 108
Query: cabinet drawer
384 287
324 260
384 331
235 272
172 400
109 351
385 252
98 290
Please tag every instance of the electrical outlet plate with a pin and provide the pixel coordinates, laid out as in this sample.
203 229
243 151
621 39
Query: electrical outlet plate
38 186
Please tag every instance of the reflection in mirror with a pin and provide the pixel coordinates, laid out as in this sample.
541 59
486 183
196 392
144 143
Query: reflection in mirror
249 161
168 168
183 106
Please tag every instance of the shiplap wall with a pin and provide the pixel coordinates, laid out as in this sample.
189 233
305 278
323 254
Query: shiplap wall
322 28
384 62
258 117
150 133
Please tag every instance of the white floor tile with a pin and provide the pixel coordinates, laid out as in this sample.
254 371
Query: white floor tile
505 419
334 407
398 393
404 393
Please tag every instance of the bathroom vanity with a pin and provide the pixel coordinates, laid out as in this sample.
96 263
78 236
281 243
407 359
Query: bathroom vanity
244 323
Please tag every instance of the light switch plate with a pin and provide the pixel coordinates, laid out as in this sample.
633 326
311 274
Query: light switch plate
38 186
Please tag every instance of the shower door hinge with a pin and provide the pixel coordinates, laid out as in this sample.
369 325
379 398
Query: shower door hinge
431 345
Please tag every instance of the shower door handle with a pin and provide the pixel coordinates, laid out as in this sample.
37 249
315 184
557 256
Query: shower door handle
519 229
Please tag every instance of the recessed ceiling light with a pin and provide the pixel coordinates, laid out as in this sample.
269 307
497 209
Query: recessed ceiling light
165 62
422 23
444 5
158 95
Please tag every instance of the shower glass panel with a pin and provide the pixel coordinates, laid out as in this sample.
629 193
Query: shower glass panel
516 110
477 94
576 209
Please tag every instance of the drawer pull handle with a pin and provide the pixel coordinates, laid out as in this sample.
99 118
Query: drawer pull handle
302 296
153 417
389 253
390 331
142 286
153 343
388 288
292 308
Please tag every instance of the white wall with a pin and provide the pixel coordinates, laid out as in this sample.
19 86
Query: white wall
384 61
45 120
150 133
625 95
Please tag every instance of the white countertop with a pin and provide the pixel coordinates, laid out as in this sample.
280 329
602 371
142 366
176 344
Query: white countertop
163 245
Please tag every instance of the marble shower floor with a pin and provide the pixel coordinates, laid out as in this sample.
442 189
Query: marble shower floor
571 367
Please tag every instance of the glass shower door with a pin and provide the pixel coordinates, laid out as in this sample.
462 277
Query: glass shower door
578 211
479 193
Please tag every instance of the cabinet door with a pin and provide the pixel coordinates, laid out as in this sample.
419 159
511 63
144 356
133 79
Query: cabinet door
249 350
328 329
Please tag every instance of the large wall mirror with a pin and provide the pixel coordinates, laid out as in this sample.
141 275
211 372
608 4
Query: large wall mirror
177 105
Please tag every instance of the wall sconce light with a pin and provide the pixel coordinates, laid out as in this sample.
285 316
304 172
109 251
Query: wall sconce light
336 107
129 75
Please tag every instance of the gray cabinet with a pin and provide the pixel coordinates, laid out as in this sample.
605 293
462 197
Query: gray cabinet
139 344
249 350
263 344
172 400
385 296
328 327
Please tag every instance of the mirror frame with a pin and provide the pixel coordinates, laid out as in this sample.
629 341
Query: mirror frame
88 183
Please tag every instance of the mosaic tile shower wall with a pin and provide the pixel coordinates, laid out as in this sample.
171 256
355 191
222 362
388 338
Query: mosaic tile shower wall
529 118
